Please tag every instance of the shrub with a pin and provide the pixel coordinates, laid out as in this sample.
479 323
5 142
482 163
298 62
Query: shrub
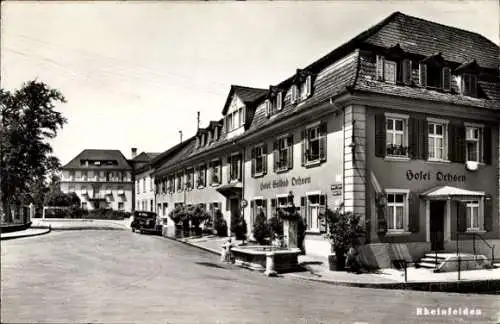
240 230
220 224
276 225
344 229
261 229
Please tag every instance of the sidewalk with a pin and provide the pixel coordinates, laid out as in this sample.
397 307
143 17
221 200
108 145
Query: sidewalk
317 269
32 231
82 224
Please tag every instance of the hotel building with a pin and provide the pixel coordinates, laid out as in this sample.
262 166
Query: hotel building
400 124
100 178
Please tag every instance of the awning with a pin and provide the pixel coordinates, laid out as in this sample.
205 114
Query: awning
230 189
448 192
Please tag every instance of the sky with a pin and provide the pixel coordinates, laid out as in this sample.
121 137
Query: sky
135 73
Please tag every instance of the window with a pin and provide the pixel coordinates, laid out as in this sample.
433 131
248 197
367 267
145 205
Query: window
240 114
434 76
295 94
397 211
390 71
472 214
189 178
259 160
213 208
396 136
121 205
279 101
230 122
216 175
473 139
97 162
306 88
437 141
202 176
469 84
84 175
257 206
282 201
235 167
137 186
314 210
71 189
71 175
84 205
179 181
283 154
315 144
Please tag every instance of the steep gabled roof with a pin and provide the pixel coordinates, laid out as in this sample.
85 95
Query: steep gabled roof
420 36
246 94
176 157
99 155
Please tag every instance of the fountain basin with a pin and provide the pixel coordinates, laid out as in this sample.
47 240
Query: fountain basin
255 257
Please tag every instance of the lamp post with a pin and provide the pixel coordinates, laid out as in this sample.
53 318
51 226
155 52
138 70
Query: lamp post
457 234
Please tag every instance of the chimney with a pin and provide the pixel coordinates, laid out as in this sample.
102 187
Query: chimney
134 152
180 133
198 122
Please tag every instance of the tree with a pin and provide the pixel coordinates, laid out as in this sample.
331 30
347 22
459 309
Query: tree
261 229
28 120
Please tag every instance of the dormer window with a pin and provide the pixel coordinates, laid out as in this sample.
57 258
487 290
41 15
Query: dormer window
279 101
394 70
306 88
433 73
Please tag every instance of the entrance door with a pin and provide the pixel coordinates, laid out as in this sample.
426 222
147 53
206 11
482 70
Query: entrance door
437 210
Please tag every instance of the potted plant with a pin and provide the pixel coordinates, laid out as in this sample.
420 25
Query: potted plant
220 224
344 231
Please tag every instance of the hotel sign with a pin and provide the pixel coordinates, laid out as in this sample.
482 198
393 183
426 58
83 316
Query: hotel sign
281 183
439 176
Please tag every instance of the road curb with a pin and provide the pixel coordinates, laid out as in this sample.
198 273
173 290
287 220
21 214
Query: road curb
466 286
47 230
194 245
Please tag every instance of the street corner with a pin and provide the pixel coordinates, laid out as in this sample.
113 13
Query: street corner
32 231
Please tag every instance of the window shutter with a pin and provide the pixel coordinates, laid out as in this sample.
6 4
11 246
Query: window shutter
264 207
488 215
406 71
279 100
446 78
228 169
268 107
303 147
413 128
423 139
275 156
422 74
460 144
264 159
380 68
322 141
380 137
322 213
309 85
243 116
290 152
273 206
253 161
414 212
487 149
240 167
462 217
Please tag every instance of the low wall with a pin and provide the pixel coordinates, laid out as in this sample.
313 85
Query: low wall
467 246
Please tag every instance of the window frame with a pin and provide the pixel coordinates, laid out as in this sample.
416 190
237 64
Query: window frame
479 141
316 126
286 150
405 119
406 209
235 178
471 205
393 75
308 210
219 172
444 124
261 157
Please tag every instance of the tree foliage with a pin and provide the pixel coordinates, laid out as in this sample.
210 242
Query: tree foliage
261 229
28 121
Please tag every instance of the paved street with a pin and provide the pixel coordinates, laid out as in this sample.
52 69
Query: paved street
122 277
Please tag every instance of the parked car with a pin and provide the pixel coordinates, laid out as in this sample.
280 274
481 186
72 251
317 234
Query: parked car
145 222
